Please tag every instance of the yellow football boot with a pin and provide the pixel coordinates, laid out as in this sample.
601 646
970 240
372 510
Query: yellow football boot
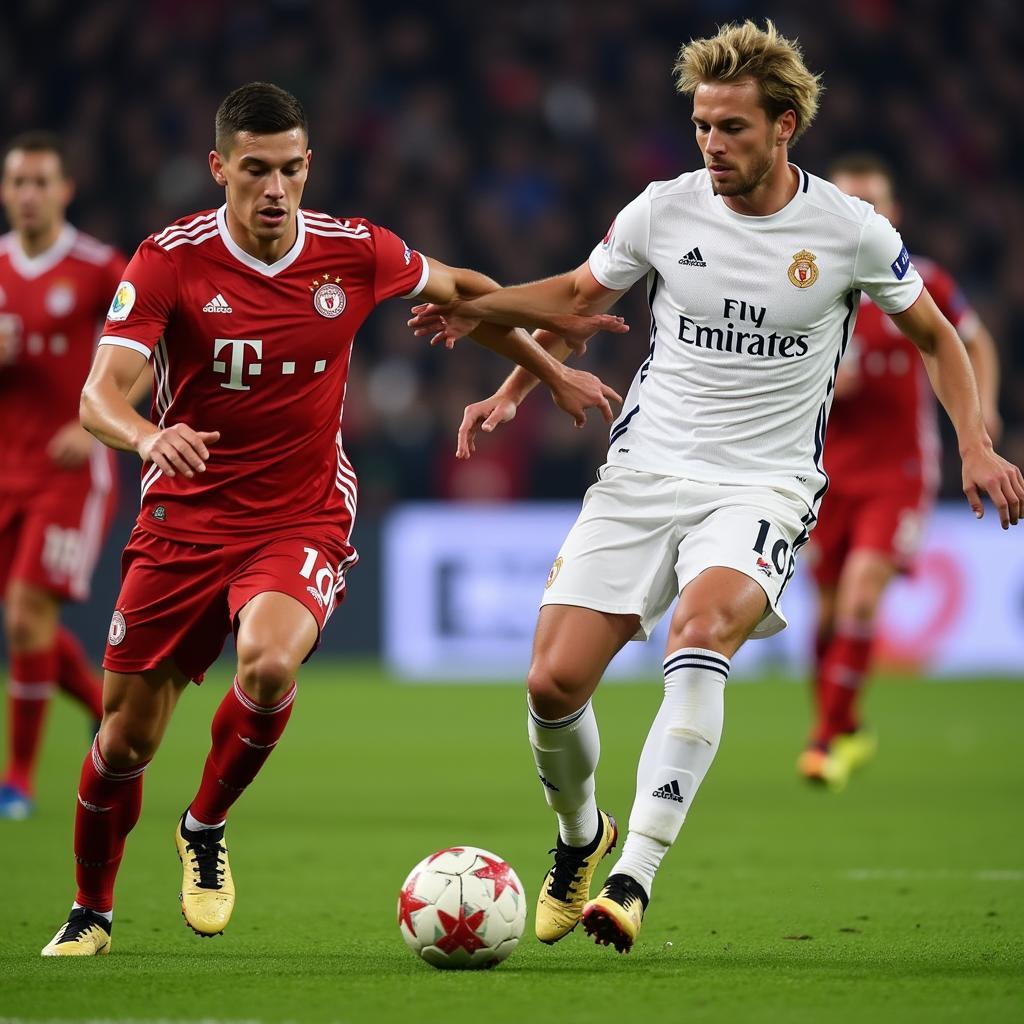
85 933
854 749
822 768
207 890
566 887
614 918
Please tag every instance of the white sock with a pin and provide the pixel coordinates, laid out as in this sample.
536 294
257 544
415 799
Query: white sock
566 751
107 915
195 825
677 755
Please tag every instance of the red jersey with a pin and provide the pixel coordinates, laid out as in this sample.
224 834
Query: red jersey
259 352
53 304
885 433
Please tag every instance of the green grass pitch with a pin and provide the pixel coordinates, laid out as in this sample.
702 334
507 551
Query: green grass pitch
901 899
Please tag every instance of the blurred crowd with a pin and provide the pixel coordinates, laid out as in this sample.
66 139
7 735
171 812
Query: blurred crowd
505 137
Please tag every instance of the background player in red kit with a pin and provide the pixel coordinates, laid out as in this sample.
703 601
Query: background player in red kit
56 481
882 457
248 313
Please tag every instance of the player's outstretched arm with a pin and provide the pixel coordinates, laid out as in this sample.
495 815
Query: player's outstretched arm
557 304
573 391
590 297
106 411
949 370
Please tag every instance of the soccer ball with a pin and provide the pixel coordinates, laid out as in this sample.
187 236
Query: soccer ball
462 907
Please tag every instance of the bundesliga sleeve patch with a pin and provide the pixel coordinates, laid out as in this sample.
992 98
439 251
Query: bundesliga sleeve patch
124 299
901 264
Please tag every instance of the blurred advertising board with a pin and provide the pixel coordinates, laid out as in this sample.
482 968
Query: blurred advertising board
462 583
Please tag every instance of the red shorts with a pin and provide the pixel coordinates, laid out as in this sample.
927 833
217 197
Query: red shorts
51 538
181 601
890 521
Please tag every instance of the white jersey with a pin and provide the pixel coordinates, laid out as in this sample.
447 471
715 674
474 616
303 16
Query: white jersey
749 319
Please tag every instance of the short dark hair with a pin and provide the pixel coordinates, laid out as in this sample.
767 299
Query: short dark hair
260 108
863 163
39 141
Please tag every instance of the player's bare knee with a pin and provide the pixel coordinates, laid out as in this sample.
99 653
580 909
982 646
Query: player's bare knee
18 631
862 610
712 631
125 743
266 674
860 606
554 690
27 623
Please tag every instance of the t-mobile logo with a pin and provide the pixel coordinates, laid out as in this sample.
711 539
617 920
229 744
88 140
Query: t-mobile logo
238 363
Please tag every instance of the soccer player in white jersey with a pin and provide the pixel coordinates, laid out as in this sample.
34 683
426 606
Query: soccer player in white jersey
753 270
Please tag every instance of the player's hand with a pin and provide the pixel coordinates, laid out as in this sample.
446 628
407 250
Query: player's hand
985 471
70 447
576 391
485 416
576 331
179 449
443 323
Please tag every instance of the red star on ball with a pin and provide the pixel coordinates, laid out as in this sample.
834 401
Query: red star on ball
441 853
460 932
499 873
408 904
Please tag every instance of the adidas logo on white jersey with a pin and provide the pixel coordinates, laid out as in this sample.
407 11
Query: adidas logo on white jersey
693 258
670 791
217 305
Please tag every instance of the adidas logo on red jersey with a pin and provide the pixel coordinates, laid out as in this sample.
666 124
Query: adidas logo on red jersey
217 305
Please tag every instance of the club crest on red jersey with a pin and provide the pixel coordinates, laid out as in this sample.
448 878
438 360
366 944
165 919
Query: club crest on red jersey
329 299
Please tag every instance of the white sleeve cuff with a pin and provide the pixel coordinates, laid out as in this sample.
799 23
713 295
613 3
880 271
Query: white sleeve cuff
135 346
600 277
424 277
906 305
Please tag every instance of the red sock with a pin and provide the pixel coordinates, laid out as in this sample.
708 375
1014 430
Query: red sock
28 696
109 803
844 670
75 675
822 643
244 733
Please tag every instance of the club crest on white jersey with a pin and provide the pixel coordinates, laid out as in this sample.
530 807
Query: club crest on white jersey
749 319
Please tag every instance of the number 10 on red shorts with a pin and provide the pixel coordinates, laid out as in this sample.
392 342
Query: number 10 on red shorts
181 601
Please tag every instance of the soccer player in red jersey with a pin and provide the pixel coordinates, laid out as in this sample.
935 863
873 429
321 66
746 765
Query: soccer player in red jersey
248 499
56 481
882 457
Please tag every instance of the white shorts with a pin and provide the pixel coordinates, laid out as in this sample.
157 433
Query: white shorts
641 538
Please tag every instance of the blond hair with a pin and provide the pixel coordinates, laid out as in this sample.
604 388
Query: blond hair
746 51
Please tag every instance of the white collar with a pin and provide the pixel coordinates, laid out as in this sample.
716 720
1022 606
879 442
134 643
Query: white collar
31 267
266 269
